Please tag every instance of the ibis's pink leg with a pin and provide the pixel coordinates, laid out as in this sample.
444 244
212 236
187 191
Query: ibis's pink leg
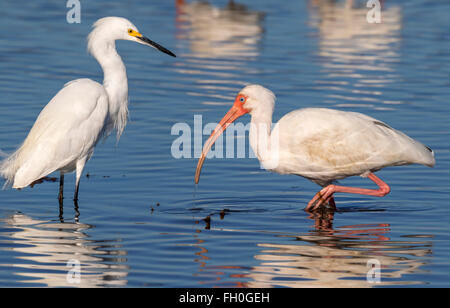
326 193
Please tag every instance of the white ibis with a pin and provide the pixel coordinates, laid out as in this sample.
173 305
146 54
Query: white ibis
322 145
67 130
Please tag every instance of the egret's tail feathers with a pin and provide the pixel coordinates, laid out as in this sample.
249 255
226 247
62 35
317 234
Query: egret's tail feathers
8 168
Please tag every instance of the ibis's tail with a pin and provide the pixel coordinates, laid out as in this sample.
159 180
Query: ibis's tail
432 160
425 156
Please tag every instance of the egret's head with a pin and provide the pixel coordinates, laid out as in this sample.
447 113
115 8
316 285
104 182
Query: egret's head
110 29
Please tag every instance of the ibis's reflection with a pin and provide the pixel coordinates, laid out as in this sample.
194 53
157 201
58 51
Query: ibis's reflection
44 249
338 257
232 276
327 256
358 57
222 42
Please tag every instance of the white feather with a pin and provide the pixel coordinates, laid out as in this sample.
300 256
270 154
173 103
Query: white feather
324 145
79 115
67 129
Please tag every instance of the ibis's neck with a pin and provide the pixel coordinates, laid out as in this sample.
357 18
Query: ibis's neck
115 83
260 137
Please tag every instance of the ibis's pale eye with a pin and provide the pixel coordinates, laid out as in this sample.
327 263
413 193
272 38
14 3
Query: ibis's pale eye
242 99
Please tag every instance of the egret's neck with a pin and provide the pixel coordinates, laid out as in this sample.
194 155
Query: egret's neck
260 136
115 83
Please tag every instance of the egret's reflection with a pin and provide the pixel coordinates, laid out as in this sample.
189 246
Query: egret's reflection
222 42
338 257
44 248
358 57
75 208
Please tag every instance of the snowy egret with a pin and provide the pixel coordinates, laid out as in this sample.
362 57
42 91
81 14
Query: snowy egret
322 145
79 115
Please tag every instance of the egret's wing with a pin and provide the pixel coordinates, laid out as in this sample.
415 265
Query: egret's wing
66 130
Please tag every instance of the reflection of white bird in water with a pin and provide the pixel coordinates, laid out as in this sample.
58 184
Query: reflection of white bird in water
232 31
69 127
321 144
348 3
45 252
345 32
340 259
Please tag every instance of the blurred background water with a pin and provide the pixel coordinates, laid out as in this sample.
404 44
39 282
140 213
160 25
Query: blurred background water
141 222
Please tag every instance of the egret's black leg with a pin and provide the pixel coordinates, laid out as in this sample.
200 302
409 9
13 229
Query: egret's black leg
61 189
80 167
76 209
77 188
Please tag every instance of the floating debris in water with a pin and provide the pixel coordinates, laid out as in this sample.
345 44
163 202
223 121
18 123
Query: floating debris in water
208 222
222 213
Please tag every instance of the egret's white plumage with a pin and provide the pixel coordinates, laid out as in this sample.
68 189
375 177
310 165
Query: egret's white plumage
63 135
321 144
80 114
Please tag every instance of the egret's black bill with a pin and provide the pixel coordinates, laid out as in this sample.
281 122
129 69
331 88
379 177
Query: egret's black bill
156 45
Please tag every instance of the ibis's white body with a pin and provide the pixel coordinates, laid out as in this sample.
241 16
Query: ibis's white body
325 145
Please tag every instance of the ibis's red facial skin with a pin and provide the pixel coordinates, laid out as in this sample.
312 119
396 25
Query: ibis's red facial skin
234 113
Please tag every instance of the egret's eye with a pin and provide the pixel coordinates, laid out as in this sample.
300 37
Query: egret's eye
242 99
130 31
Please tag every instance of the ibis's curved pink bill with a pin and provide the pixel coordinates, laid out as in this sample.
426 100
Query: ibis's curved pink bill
234 113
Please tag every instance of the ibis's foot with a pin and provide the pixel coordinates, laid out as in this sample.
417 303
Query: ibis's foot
331 204
323 198
321 204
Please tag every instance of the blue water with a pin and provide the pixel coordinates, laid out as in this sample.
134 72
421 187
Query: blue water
141 220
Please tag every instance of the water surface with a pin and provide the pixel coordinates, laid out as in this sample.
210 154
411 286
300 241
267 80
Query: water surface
141 221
